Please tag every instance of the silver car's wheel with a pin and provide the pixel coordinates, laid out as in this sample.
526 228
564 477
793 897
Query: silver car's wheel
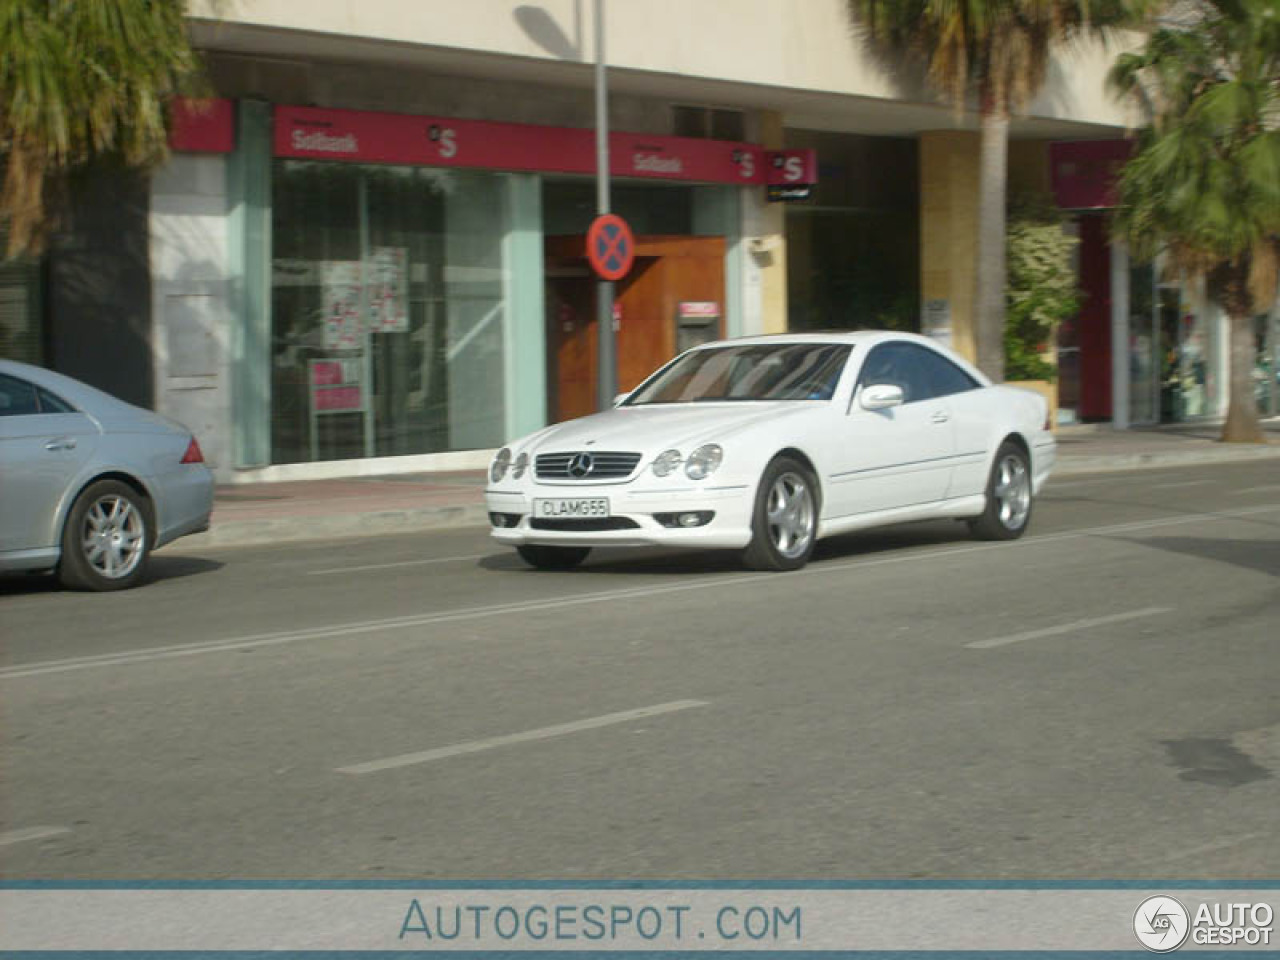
1009 496
786 518
107 538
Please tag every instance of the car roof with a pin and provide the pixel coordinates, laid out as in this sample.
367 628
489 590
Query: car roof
854 337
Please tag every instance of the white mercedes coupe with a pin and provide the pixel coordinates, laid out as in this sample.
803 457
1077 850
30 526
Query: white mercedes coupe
767 444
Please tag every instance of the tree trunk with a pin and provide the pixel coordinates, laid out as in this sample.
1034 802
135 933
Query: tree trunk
1242 424
989 293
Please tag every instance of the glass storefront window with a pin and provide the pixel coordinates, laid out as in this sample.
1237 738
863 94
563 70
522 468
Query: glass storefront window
853 248
1266 371
387 310
1144 347
1188 385
21 331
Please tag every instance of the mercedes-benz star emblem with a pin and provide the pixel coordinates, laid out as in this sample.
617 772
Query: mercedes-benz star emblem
581 465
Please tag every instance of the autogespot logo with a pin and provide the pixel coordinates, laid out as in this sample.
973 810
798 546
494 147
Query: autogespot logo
1161 924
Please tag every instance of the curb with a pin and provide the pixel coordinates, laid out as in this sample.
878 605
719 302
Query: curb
1114 463
243 533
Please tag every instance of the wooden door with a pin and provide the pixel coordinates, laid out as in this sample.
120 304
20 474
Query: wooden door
668 271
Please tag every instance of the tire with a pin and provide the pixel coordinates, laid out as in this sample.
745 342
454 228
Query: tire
107 540
1009 498
784 523
552 558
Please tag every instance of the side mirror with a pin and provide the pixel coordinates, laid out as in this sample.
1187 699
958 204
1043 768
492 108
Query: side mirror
617 401
881 396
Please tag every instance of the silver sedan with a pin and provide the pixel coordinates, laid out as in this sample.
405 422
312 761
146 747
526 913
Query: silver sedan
90 485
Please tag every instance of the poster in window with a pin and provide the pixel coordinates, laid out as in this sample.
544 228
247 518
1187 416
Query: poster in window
340 287
389 290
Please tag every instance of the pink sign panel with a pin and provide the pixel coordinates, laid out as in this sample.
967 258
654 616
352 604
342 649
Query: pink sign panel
326 372
338 398
690 309
367 137
1084 172
202 126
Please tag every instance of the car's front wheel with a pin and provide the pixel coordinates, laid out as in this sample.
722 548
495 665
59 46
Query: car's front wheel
552 558
107 539
784 525
1008 496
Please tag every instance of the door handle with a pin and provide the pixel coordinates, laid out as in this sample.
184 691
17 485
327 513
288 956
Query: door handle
61 443
941 416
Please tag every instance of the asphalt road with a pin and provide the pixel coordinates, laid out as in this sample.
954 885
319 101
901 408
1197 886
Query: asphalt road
1098 700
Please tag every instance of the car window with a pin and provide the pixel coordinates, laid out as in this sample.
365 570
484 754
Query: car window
17 397
892 364
944 377
20 398
49 403
921 373
781 371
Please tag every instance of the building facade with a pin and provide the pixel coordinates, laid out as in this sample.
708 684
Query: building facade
367 255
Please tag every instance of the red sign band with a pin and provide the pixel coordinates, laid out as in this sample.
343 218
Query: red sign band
367 137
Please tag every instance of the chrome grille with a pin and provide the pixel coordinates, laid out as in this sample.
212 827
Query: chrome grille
603 464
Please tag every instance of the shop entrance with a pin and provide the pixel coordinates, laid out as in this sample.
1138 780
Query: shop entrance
672 299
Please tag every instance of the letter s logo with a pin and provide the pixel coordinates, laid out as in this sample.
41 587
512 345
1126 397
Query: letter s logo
448 143
747 166
793 169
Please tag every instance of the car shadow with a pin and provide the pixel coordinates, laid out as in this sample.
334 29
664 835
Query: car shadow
160 569
1262 556
653 560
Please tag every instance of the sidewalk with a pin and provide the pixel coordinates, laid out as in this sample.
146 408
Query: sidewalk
369 506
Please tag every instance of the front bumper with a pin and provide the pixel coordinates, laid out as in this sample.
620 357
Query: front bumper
729 528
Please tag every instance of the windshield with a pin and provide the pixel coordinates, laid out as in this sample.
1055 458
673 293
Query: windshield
763 371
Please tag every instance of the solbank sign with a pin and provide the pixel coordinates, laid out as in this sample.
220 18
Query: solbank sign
374 137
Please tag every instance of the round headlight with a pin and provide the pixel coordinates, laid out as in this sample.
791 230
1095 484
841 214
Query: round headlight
498 469
521 465
703 461
666 463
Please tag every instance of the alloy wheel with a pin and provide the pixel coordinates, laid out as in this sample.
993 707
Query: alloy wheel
1013 492
114 536
790 515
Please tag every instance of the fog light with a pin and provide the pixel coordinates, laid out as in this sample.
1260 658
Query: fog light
687 519
504 519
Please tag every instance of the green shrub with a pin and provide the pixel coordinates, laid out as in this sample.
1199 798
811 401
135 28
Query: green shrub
1042 290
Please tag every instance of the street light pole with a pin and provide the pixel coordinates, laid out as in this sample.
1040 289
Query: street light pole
606 353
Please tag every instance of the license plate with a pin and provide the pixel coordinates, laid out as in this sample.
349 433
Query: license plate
575 508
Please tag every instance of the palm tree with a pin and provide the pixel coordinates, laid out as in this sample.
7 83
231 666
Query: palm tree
82 80
1204 186
998 50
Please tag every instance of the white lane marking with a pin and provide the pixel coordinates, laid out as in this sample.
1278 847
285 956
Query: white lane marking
31 833
1177 483
1265 488
1075 626
399 563
542 733
129 657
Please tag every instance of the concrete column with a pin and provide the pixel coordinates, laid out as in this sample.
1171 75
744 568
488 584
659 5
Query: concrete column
249 259
765 229
949 234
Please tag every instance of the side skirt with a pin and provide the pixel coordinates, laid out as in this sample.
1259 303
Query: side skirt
956 508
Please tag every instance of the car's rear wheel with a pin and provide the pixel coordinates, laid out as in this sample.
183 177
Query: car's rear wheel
107 539
552 558
784 524
1009 497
